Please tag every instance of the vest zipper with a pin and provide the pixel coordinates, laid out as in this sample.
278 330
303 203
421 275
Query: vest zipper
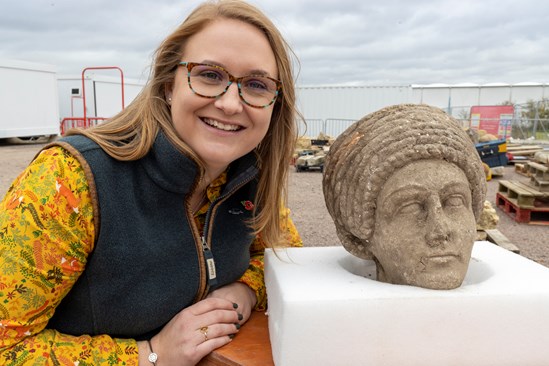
206 235
210 263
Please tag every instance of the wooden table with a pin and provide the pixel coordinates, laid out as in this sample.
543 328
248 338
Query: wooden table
250 347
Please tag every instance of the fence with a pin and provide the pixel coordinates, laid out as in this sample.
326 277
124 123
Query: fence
517 127
537 129
78 122
520 128
332 127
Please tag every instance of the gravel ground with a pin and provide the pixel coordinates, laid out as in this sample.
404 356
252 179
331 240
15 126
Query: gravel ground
308 209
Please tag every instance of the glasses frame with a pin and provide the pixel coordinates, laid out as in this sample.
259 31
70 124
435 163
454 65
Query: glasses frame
232 79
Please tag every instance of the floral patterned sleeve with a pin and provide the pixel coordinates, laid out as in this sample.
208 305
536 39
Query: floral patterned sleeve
254 276
46 235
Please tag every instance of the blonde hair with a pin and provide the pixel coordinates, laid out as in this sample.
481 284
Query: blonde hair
130 134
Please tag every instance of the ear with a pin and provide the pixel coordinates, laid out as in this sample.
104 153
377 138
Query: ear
168 91
356 246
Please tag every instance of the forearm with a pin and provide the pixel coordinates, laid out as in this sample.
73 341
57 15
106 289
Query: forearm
52 347
254 277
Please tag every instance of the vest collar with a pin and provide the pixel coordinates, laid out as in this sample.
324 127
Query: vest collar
176 172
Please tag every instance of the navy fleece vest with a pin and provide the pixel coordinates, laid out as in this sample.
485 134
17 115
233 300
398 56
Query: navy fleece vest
144 267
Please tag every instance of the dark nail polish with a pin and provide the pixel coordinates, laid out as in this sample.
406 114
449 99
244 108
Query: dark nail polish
235 305
237 325
240 317
231 336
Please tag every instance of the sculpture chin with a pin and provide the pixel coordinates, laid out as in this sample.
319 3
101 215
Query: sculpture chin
440 273
445 281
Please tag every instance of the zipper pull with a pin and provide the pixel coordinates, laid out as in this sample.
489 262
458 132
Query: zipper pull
210 263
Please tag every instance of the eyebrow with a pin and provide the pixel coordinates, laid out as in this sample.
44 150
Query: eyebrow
403 192
454 185
407 187
414 188
257 72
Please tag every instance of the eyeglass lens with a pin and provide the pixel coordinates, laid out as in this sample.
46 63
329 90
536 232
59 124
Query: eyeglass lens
212 81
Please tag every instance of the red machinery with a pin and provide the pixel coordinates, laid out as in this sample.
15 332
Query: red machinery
85 121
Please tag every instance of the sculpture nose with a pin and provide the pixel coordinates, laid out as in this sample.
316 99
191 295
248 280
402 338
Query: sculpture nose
437 238
439 233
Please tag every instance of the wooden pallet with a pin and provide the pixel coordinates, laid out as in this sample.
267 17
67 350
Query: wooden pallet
523 214
537 170
524 195
539 185
523 150
522 169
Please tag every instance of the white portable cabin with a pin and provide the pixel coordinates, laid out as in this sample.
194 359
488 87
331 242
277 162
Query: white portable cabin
28 99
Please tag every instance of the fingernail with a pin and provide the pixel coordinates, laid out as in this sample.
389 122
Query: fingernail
240 316
237 325
235 305
231 336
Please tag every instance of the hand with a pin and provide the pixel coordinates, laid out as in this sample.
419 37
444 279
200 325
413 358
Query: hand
239 294
182 342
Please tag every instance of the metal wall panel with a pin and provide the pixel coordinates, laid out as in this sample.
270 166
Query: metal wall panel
348 102
331 109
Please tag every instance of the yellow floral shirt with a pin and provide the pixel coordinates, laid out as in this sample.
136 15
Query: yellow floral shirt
46 235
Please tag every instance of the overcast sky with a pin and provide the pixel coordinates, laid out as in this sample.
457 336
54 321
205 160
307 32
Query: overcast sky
362 42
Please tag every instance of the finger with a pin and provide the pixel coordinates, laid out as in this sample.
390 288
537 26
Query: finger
215 315
223 316
210 345
214 330
200 346
217 330
212 303
215 336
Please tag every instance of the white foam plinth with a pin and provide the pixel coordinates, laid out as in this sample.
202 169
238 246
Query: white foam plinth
326 308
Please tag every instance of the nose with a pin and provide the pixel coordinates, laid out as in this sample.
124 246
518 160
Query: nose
437 221
230 101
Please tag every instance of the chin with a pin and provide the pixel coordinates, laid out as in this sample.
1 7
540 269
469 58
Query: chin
439 281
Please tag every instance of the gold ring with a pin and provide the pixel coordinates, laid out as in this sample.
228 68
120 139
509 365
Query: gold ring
204 331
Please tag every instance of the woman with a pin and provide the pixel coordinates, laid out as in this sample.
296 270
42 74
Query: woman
130 242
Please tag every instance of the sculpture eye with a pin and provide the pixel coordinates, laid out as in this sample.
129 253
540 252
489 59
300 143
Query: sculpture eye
410 207
455 200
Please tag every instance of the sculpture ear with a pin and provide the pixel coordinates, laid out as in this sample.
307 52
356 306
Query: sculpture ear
355 245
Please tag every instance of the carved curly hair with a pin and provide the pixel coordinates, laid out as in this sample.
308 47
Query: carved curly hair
371 150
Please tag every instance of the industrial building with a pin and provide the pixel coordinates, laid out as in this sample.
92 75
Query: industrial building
331 109
328 109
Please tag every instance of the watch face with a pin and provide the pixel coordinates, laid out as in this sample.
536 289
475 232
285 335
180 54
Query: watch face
153 357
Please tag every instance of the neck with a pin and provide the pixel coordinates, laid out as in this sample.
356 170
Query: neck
197 200
210 174
199 196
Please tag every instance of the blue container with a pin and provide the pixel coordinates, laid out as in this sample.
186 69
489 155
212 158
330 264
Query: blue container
493 153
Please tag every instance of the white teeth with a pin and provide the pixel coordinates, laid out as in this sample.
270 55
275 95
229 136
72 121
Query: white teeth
221 126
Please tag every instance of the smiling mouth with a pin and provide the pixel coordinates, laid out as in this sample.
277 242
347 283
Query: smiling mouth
221 126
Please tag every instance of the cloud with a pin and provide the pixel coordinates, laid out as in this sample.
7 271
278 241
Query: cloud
337 42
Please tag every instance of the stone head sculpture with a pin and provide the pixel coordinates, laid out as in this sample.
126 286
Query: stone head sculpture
405 187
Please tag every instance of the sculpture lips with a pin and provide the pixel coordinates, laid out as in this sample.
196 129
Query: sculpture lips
443 258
